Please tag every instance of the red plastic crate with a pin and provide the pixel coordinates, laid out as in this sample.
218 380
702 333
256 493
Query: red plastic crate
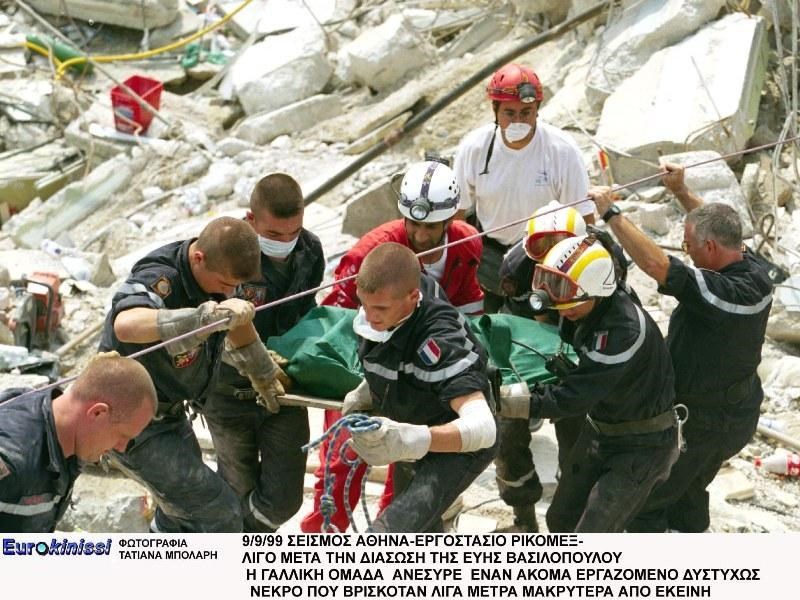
127 112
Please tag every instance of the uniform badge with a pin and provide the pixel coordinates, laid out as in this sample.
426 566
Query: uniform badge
429 352
4 470
162 287
184 359
600 340
256 294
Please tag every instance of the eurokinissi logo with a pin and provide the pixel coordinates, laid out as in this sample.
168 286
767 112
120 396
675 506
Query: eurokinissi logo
55 547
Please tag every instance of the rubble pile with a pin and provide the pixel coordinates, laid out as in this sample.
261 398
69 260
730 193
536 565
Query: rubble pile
305 86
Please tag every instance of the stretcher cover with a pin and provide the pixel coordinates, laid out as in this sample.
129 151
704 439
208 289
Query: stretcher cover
323 350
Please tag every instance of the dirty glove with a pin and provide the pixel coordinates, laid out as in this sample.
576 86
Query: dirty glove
515 401
254 362
357 400
172 323
392 442
282 363
100 355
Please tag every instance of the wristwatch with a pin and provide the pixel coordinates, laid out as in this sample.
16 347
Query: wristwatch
612 212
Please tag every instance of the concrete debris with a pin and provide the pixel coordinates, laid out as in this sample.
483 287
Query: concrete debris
294 118
375 205
138 14
681 100
381 56
639 31
108 503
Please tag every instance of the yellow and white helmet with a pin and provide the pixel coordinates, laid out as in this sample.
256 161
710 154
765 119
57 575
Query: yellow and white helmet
549 225
575 270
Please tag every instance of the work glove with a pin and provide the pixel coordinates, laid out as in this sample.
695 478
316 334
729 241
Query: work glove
282 363
172 323
515 401
100 355
392 442
255 362
357 400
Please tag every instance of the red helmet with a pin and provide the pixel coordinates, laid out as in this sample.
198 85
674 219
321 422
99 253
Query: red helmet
514 82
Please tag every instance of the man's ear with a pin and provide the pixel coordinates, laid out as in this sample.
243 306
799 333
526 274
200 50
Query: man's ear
250 217
98 410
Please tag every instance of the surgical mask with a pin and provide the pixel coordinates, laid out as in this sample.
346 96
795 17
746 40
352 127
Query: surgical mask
276 249
362 328
517 131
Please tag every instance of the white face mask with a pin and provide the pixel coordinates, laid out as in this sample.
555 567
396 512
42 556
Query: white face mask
517 131
362 328
276 249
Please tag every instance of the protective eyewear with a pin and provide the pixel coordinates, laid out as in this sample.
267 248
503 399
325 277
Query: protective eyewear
539 244
558 286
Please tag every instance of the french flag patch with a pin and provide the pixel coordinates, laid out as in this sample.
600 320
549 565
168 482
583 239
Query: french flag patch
429 352
600 340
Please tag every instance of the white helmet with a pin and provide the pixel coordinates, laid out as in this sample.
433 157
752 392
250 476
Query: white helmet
575 270
549 225
428 193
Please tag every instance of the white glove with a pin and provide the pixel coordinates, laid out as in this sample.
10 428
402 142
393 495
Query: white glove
357 400
392 442
515 401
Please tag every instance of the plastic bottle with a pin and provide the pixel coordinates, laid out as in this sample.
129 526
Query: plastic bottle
780 463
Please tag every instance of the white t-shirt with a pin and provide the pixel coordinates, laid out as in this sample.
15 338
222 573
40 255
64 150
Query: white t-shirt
519 182
436 269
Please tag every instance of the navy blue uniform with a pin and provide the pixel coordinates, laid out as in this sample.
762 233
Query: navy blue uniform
259 453
624 382
166 457
432 359
715 338
36 479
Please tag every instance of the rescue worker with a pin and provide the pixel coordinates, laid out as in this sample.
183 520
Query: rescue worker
509 169
259 448
427 200
517 479
172 293
46 437
425 376
715 338
623 380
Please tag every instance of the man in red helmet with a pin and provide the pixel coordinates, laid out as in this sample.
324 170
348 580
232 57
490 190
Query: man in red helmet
508 170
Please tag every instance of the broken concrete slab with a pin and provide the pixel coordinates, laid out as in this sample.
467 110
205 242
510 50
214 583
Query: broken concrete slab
264 127
373 137
682 100
267 17
22 262
638 32
730 484
185 23
372 207
381 56
111 503
73 203
480 34
714 182
656 218
137 14
266 77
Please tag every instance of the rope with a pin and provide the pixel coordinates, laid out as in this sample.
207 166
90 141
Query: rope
327 504
468 238
107 58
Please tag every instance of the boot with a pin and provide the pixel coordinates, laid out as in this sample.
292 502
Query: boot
525 519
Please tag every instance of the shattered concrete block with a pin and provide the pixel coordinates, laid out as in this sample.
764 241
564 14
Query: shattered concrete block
372 207
656 218
640 31
137 14
488 29
749 182
554 11
297 117
651 194
383 55
232 146
107 503
682 100
73 203
714 182
219 180
279 71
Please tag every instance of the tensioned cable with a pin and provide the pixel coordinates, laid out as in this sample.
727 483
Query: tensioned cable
324 286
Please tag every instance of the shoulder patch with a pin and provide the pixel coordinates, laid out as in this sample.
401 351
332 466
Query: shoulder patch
185 359
4 470
600 340
162 286
257 294
429 352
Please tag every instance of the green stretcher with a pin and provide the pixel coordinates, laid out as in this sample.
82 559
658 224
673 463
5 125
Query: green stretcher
323 350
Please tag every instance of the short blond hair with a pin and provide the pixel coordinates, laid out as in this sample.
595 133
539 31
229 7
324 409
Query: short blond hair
121 383
389 265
